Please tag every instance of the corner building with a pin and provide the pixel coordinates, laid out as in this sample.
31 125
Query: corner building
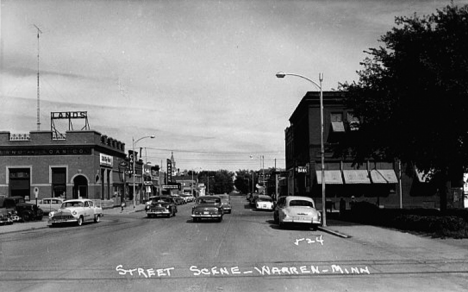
82 164
384 183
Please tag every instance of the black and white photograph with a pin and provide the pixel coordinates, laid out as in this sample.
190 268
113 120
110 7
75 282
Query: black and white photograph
233 145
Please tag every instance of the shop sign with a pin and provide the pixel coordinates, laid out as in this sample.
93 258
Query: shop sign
301 169
29 151
106 160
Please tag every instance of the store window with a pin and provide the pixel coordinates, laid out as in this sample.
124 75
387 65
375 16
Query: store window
59 182
20 182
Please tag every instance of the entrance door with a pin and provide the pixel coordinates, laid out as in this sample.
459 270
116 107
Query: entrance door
80 187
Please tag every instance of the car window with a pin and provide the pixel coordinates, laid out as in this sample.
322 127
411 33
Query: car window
45 201
302 203
90 203
86 204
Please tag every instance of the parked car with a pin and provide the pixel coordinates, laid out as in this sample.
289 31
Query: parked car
161 206
50 204
226 203
296 210
264 202
16 205
76 211
253 198
178 199
188 197
207 207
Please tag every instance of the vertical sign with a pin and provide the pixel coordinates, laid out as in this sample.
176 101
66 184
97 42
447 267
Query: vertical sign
169 170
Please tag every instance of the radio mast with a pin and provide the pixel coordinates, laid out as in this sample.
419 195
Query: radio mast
38 95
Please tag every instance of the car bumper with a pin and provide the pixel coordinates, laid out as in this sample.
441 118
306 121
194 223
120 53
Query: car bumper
207 215
265 208
301 221
61 221
156 213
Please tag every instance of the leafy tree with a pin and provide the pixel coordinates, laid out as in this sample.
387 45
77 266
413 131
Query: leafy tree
412 96
243 181
220 181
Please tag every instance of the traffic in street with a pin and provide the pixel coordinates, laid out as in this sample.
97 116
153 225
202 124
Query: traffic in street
246 251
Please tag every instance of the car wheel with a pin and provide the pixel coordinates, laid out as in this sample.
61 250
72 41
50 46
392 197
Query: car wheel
80 221
275 218
220 219
173 213
97 218
26 217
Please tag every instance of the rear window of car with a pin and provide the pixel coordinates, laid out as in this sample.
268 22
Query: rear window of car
209 201
302 203
264 200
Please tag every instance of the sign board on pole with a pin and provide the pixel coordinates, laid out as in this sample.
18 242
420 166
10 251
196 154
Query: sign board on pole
36 192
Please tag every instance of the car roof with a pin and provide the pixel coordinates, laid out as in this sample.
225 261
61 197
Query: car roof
77 200
209 197
289 198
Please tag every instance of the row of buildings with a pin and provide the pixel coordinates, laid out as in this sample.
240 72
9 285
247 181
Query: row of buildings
79 164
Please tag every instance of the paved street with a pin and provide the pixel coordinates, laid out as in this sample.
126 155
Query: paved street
245 252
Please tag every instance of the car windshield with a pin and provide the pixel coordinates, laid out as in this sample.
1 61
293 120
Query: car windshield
210 201
72 204
302 203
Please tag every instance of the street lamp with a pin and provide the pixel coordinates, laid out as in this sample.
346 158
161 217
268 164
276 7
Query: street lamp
134 159
322 148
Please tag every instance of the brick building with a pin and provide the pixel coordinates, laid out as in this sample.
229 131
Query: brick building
374 181
79 164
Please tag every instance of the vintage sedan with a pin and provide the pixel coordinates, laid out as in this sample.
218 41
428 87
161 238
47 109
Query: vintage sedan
296 210
264 202
161 206
226 203
76 211
208 207
50 204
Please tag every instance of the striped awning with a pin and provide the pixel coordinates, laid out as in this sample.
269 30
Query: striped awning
356 176
383 176
332 177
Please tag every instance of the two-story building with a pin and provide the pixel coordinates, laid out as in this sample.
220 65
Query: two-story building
385 183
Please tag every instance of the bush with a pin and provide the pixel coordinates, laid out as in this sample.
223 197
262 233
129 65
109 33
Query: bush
440 226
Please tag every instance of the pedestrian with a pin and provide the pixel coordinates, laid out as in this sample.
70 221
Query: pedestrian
122 205
353 202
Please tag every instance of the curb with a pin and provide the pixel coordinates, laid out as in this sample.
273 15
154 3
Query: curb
333 232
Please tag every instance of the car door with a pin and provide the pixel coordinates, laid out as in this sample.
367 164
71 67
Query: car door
88 211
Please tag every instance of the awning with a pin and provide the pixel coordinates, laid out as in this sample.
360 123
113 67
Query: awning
338 126
332 177
383 176
356 176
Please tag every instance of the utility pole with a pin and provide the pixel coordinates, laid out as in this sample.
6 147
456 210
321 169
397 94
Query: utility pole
38 95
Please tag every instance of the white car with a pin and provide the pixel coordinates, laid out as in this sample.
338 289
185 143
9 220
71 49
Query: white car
297 210
76 211
50 204
264 203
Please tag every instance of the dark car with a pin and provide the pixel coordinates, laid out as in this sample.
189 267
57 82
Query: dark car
25 211
208 207
226 203
161 206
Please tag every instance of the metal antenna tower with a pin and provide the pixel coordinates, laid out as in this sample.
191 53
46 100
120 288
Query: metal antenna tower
38 95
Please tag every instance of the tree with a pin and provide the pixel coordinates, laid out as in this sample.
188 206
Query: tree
243 181
220 181
412 96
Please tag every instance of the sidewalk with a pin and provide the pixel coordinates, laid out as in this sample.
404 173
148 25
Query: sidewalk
33 225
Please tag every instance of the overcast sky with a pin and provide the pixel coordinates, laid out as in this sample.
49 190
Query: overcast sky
199 75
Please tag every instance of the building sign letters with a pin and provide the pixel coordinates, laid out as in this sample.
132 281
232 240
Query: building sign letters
106 160
34 151
69 115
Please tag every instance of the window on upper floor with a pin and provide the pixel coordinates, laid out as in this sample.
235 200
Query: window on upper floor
353 121
337 122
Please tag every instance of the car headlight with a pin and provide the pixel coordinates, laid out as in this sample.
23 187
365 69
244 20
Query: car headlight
74 213
51 214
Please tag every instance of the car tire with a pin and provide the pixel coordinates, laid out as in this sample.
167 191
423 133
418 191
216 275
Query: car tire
80 221
220 219
97 218
275 218
173 213
26 217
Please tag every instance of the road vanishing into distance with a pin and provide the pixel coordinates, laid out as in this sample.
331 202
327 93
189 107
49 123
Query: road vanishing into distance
244 252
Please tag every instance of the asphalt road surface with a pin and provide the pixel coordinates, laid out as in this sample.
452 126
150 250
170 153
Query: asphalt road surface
244 252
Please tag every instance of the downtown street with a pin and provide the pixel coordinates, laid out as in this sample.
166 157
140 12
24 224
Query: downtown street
245 252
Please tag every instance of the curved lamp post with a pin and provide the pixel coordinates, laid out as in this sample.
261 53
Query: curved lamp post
322 148
134 159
